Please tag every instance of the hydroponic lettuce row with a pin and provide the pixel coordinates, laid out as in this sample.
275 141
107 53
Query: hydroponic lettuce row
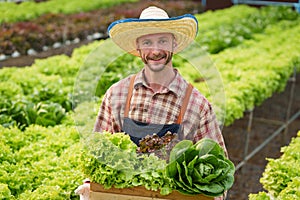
235 27
39 163
281 178
200 168
12 12
56 29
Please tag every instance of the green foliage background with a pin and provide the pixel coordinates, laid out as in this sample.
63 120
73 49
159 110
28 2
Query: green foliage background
43 117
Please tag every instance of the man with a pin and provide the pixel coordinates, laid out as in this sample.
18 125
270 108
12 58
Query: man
157 99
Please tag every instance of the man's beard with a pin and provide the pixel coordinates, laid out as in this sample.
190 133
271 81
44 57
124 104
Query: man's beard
157 67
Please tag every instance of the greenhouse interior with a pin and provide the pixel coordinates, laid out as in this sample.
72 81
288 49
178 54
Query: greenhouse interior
61 62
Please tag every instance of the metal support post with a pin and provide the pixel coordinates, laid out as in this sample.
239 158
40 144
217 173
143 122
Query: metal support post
262 145
248 132
290 102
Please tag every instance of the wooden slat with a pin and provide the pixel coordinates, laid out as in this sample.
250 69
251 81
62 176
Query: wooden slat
136 193
112 196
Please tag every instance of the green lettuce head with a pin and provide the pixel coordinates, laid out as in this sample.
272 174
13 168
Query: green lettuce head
201 168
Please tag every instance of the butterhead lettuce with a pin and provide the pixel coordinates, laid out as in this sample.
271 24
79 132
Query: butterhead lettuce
200 168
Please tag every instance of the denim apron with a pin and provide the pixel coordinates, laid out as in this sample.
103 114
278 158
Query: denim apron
138 130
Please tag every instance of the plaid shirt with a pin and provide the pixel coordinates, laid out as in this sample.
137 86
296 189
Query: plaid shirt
161 107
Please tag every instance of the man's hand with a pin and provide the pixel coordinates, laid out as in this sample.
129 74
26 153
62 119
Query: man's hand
84 190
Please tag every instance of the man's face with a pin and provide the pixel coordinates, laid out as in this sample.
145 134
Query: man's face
156 50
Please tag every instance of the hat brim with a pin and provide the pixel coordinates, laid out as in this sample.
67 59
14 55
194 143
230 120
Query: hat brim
125 32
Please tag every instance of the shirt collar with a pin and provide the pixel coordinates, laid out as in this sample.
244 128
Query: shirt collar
177 86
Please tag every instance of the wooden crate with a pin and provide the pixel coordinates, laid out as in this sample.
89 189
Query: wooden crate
97 192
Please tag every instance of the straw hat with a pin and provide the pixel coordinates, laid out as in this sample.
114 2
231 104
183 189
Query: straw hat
153 20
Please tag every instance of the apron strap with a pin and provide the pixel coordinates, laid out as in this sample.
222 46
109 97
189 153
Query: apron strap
185 103
129 95
183 107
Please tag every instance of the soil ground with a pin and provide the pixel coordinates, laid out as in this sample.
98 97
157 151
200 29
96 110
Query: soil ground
267 118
